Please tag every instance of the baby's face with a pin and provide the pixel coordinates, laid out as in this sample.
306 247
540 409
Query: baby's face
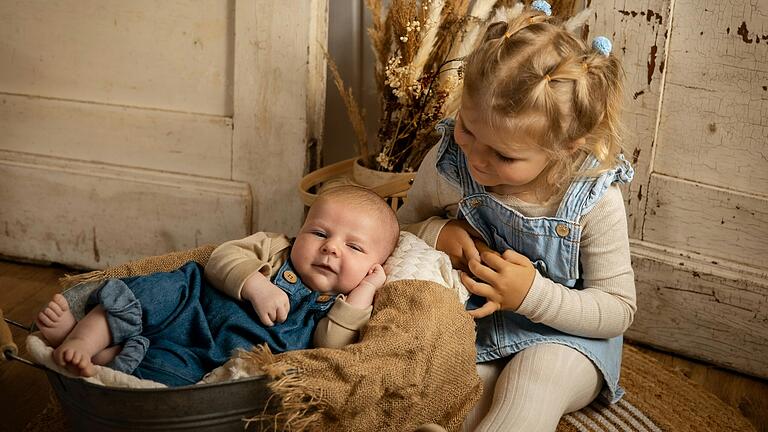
337 247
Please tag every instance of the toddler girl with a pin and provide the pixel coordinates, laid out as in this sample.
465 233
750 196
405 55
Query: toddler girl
521 193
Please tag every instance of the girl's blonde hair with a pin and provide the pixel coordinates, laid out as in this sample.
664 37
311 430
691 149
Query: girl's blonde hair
533 76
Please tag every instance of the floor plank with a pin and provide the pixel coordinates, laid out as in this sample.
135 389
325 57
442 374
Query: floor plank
25 288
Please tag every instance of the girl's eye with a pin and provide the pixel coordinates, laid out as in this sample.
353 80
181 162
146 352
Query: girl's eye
464 130
319 234
355 247
505 159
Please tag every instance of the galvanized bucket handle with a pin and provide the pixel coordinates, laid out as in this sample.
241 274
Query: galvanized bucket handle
8 349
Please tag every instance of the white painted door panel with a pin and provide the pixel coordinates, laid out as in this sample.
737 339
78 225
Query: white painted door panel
135 128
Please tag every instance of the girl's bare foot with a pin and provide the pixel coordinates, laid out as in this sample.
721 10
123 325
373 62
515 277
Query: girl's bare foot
56 320
75 355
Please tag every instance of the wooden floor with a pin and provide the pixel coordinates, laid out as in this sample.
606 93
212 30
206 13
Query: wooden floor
24 391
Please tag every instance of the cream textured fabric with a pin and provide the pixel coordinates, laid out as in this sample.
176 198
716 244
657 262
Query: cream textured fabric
415 259
42 354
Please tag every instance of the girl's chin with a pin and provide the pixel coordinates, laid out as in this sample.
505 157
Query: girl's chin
482 178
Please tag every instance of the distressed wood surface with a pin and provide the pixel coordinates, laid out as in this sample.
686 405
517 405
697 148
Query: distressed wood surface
161 140
702 308
166 55
708 220
714 123
95 216
274 79
639 34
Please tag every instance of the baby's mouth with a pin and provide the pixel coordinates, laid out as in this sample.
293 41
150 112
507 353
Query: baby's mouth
324 267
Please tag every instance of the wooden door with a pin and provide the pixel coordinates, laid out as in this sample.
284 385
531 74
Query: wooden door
697 131
135 128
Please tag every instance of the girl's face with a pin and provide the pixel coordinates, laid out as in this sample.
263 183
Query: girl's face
499 159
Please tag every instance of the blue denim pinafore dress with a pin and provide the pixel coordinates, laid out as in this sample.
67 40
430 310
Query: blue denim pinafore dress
175 327
551 243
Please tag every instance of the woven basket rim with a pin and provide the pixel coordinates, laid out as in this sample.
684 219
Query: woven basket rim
396 188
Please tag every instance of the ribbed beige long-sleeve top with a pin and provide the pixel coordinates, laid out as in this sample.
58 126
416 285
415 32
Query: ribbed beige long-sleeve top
604 307
233 262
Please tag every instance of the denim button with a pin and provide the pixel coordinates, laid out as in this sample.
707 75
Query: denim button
290 276
562 230
322 298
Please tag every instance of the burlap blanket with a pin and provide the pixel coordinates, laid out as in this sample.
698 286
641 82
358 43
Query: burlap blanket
414 364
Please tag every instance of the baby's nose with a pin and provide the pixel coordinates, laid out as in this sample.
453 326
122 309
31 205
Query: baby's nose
330 248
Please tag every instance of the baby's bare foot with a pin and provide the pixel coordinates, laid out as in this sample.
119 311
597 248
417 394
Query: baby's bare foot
56 320
74 355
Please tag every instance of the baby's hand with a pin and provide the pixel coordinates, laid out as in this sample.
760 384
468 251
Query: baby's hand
270 302
362 295
457 240
505 280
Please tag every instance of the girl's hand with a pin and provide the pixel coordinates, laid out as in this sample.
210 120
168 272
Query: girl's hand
505 280
457 240
270 302
362 295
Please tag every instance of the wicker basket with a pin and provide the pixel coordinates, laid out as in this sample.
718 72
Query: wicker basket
345 172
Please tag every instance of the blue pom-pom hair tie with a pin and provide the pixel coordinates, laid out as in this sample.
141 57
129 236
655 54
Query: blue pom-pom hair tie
542 6
602 45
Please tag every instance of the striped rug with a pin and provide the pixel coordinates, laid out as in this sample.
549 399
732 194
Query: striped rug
657 399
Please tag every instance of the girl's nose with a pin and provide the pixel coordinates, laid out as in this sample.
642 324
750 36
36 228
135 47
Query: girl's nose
478 156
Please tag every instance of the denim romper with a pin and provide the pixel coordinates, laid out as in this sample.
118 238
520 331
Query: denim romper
551 243
175 327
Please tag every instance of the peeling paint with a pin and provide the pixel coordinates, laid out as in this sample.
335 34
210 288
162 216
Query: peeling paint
636 156
712 128
744 33
653 15
638 94
652 63
648 14
640 193
96 254
765 88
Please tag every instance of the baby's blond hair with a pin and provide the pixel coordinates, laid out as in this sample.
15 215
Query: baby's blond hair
533 76
360 198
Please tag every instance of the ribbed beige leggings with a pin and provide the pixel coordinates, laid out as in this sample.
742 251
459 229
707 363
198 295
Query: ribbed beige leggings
532 390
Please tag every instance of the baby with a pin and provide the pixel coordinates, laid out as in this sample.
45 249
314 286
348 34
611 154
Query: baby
174 327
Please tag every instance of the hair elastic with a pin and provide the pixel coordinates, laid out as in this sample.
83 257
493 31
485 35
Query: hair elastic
602 45
542 6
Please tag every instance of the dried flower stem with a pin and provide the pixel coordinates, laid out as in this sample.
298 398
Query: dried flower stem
356 116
